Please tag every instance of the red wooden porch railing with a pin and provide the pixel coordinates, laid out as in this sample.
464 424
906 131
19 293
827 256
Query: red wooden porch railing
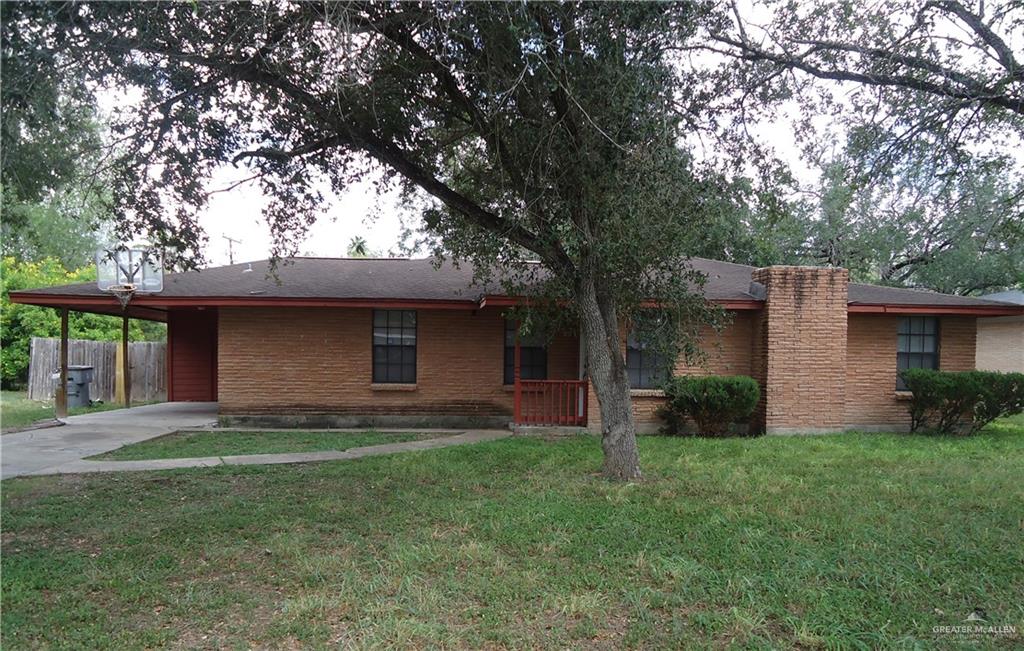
551 402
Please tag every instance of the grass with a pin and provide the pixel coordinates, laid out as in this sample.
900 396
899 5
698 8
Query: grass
846 541
16 410
222 443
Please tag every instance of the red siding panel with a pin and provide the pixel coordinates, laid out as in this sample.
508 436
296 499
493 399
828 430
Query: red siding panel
192 338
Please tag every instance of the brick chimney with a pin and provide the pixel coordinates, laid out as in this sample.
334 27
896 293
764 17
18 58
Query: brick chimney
799 351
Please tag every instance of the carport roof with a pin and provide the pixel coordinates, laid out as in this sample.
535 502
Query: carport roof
419 283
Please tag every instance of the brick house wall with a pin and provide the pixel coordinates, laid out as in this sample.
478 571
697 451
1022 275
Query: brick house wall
820 368
1001 344
319 360
957 343
872 402
805 339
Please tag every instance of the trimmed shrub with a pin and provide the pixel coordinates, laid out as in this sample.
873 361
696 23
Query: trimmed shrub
713 403
962 402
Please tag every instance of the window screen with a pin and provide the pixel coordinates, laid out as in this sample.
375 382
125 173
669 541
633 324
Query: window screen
394 346
533 356
917 344
646 368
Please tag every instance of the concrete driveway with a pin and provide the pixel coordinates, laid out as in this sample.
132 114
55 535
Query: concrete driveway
22 453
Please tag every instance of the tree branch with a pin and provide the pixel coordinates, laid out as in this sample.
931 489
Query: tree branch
751 52
1003 52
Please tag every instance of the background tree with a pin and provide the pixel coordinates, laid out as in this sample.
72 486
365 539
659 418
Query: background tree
50 146
900 73
53 199
926 101
919 229
19 323
358 247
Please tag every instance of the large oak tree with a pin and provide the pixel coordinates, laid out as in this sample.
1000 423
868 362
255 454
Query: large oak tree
542 132
546 131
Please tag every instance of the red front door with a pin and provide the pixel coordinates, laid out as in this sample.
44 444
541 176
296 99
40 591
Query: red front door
192 355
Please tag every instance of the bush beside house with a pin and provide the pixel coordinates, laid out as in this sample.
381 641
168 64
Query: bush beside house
963 402
713 403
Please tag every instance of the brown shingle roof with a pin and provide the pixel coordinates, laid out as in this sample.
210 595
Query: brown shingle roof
419 280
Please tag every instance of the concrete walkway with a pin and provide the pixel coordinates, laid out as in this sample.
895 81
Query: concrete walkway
83 465
34 451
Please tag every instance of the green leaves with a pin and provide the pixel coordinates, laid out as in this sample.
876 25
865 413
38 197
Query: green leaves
714 403
961 402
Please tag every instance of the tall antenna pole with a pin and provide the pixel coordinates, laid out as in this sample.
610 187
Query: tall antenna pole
231 249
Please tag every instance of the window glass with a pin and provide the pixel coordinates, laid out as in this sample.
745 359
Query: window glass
533 356
645 367
394 346
917 344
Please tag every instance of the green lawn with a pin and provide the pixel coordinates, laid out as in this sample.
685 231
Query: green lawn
16 410
845 541
217 444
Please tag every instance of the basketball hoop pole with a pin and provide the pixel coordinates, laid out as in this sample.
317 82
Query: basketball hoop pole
123 390
124 294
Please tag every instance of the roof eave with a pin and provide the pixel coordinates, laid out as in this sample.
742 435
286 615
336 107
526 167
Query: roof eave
497 300
908 308
168 302
153 303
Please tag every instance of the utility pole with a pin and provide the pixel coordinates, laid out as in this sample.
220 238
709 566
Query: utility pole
231 248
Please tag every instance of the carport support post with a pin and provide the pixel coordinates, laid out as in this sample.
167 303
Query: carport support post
126 369
62 386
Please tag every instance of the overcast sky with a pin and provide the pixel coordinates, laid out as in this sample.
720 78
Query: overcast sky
237 213
359 211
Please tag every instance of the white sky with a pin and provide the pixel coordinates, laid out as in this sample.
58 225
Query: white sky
238 214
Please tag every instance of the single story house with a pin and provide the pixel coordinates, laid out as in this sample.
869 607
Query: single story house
1001 338
358 342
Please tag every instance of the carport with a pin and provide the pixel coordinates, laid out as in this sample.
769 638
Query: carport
191 335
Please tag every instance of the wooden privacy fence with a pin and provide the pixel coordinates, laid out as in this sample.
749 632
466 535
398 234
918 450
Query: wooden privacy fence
148 368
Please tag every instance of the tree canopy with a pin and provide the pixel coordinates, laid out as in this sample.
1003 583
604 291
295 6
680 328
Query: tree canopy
914 114
963 235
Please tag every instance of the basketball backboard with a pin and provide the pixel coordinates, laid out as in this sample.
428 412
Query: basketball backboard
137 269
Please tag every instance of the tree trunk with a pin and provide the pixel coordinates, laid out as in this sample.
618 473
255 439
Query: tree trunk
607 371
